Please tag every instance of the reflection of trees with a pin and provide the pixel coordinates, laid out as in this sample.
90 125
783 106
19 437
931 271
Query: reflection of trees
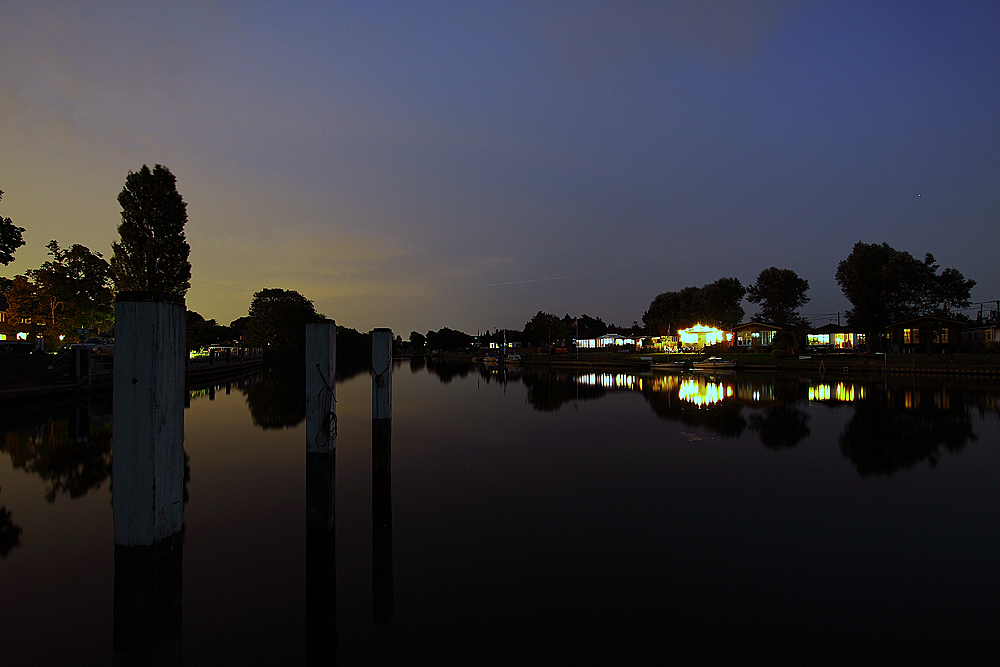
781 426
548 391
724 418
894 430
448 370
277 400
10 533
417 363
69 464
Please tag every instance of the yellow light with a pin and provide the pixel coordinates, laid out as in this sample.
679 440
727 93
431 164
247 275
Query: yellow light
700 392
820 392
845 393
701 334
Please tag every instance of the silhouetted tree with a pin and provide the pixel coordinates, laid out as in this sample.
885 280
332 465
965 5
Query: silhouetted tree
153 253
11 238
277 321
544 328
717 304
448 339
886 285
780 292
74 289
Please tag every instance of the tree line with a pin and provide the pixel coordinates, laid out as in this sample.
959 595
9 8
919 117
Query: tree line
76 287
884 285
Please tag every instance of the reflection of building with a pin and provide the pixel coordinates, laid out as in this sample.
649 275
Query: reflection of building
611 380
703 391
835 336
840 392
753 334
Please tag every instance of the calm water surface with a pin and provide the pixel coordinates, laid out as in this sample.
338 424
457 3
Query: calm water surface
553 518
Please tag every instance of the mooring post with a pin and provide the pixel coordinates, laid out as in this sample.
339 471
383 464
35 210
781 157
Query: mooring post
148 468
148 464
321 465
321 394
381 475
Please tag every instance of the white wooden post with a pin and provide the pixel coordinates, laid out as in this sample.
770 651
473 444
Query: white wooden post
382 374
148 462
321 393
148 469
321 466
382 585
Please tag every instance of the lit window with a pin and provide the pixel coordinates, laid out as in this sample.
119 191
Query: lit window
907 336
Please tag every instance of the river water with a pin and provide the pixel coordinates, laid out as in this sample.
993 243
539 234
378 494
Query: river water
568 517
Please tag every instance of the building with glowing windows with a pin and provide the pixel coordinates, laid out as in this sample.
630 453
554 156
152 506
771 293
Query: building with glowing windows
836 337
926 334
755 335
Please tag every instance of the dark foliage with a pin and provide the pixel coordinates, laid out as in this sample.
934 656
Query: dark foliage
11 238
780 292
153 253
885 285
716 304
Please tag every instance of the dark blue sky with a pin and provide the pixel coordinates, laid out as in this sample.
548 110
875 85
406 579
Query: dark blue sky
467 164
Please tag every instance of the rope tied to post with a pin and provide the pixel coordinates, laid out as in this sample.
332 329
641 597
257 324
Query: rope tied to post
328 423
379 378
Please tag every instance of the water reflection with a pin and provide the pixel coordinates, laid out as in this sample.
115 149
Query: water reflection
781 426
10 532
68 445
499 529
276 399
895 425
895 428
446 371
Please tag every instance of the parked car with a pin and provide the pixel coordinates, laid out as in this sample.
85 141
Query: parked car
95 344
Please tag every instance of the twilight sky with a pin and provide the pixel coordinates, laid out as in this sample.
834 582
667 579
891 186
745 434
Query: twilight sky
466 164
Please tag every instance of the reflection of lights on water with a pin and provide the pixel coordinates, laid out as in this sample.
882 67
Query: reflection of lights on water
819 392
700 392
842 392
610 380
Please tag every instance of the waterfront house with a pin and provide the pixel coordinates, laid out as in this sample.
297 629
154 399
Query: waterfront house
835 336
607 340
754 335
926 334
16 329
978 336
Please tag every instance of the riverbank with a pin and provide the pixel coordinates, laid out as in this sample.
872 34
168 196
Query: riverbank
29 376
959 364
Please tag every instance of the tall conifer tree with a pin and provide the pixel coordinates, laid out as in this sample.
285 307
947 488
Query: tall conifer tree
153 253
